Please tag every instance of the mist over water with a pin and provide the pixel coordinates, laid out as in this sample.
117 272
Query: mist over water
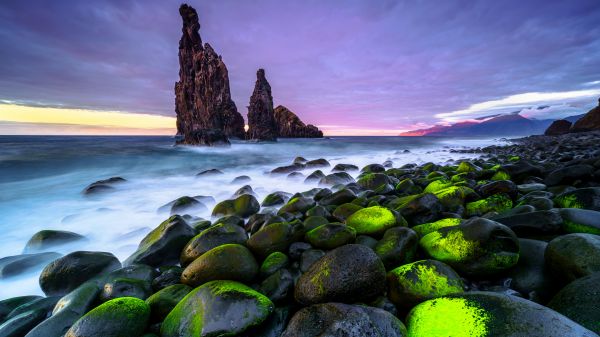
41 179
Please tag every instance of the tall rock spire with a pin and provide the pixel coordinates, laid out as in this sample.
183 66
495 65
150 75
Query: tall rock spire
206 114
261 119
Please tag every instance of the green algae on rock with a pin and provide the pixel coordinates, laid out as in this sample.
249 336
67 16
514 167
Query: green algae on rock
580 220
331 236
477 247
422 280
217 308
210 238
397 246
495 203
429 227
437 185
275 237
453 196
121 317
273 263
483 314
163 301
373 220
226 262
243 206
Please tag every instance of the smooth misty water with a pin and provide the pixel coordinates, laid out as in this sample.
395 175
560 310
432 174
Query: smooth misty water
41 179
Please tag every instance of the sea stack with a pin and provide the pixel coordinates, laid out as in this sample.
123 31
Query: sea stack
589 122
261 117
206 114
290 126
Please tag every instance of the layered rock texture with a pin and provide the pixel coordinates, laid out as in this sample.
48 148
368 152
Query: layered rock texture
589 122
290 126
206 114
261 118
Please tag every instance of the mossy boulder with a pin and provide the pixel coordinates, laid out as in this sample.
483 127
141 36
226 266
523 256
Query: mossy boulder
276 198
331 236
183 205
572 256
297 205
243 206
11 266
313 222
46 240
413 283
162 302
275 237
376 182
162 246
338 319
579 301
121 317
426 228
226 262
372 220
584 198
273 263
65 274
350 273
9 304
437 185
495 203
168 276
338 198
418 208
580 221
336 178
480 314
476 247
533 223
467 167
219 234
67 311
398 246
217 308
454 196
343 211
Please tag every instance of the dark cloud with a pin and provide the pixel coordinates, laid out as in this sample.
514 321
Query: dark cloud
372 64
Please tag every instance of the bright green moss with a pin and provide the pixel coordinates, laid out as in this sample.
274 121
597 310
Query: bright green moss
453 196
423 280
466 166
273 262
495 203
514 158
437 185
455 317
458 177
427 228
501 175
575 227
371 220
452 247
568 201
317 278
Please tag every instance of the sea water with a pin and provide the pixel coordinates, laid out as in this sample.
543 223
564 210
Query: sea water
42 177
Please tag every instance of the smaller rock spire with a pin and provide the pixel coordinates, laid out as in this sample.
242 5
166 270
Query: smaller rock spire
261 119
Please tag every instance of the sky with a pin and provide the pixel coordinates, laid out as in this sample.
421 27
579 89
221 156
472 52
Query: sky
351 67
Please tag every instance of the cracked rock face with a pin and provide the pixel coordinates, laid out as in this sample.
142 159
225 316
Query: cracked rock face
202 96
261 118
290 126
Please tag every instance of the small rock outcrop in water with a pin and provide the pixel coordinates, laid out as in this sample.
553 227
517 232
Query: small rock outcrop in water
261 118
589 122
206 114
290 126
558 127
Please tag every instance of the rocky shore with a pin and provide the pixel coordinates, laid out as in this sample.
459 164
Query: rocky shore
504 245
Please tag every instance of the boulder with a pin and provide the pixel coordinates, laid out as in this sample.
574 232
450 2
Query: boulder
275 237
70 271
11 266
398 246
584 198
226 262
590 121
45 240
579 301
274 262
331 236
125 287
210 238
572 256
163 301
533 223
558 127
217 308
243 206
580 220
350 273
102 186
373 220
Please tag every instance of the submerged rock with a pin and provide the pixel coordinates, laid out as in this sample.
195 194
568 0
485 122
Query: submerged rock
103 186
11 266
47 239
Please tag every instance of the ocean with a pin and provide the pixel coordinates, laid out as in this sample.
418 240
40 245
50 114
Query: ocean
42 177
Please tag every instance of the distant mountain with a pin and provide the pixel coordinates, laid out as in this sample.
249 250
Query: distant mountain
499 126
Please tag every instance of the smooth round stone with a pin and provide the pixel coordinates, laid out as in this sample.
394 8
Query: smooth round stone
572 256
429 227
11 266
19 325
169 276
243 206
309 257
398 246
350 273
526 188
337 319
585 198
210 238
68 272
338 198
533 223
297 205
217 308
9 304
313 222
273 263
121 317
163 245
45 240
376 182
227 262
278 287
275 199
579 301
476 247
482 314
343 211
580 220
331 236
416 282
162 302
275 237
495 203
371 220
126 287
